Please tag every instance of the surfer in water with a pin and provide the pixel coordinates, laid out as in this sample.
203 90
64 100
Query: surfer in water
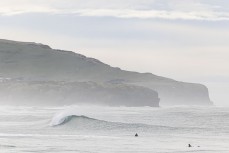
136 135
189 145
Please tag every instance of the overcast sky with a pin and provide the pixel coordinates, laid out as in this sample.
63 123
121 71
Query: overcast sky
187 40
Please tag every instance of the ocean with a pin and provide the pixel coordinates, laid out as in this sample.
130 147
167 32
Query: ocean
98 129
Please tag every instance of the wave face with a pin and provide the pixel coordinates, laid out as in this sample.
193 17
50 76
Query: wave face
177 122
112 129
83 123
67 119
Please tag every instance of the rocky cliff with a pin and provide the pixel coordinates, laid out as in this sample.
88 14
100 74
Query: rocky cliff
32 62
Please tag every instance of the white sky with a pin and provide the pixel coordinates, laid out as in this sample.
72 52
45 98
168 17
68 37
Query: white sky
187 40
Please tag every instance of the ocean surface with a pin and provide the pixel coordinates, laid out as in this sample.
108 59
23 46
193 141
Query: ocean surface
94 129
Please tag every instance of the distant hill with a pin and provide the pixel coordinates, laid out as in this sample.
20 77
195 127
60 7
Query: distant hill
33 67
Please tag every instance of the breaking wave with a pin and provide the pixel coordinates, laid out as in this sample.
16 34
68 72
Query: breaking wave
81 122
78 120
66 119
84 123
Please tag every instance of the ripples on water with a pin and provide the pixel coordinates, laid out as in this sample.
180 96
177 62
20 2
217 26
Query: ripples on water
112 129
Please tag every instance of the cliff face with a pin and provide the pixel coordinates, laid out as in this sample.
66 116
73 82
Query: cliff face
38 62
68 93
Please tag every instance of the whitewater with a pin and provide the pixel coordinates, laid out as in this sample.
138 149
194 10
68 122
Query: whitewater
97 129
